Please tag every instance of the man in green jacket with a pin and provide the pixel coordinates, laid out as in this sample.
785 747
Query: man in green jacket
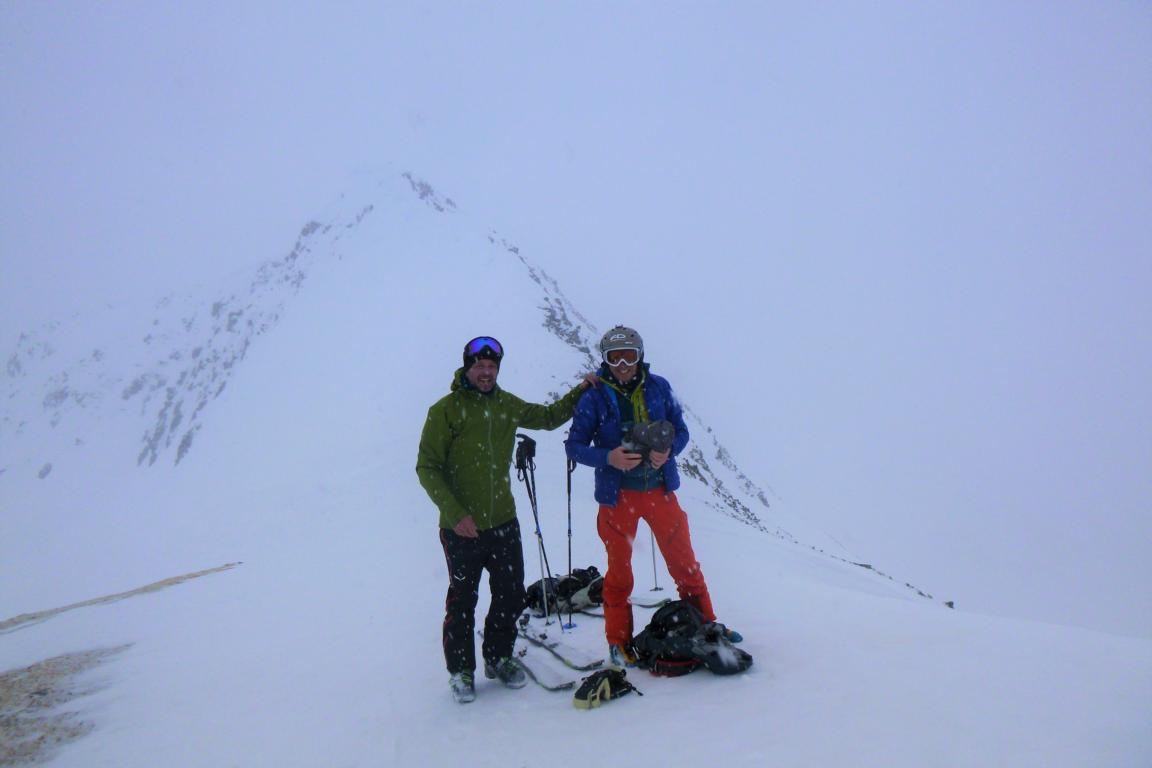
464 460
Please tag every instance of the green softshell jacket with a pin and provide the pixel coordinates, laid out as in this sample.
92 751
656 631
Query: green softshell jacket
466 450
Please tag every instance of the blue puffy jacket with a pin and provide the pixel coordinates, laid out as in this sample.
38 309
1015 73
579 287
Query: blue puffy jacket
596 431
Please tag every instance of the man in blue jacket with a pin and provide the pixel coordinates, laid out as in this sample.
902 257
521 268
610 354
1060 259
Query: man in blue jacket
634 484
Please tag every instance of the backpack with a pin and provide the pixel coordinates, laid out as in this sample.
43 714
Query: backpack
677 641
534 596
665 646
581 589
718 654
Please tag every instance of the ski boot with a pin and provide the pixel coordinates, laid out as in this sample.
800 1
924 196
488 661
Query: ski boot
508 671
729 634
463 689
622 656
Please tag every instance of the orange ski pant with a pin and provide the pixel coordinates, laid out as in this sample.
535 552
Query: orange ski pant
617 527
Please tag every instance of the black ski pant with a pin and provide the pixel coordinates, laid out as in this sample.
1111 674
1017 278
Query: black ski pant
500 552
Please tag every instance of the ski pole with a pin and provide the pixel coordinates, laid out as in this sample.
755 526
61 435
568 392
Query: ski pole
526 471
655 584
571 468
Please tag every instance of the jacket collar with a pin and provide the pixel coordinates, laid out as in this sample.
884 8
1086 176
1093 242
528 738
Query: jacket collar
625 389
460 383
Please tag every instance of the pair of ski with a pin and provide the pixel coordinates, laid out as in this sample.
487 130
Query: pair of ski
541 672
576 659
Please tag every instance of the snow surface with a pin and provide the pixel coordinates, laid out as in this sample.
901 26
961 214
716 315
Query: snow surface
322 647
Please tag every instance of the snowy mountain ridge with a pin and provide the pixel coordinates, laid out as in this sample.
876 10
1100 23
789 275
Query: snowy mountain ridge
164 374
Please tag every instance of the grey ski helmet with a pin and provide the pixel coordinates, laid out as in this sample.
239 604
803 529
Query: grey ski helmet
621 337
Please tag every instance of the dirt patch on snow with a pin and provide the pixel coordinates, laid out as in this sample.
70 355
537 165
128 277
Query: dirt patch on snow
34 721
24 619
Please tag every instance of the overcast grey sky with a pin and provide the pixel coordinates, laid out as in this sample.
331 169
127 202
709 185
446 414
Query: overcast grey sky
923 228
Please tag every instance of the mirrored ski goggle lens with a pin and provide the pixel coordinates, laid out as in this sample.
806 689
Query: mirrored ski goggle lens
618 357
480 343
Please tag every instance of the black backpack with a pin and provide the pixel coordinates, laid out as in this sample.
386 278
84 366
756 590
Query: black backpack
534 596
583 588
677 641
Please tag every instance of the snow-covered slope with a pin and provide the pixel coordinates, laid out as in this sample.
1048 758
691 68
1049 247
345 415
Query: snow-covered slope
272 422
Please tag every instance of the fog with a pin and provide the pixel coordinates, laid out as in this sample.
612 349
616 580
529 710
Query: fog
925 227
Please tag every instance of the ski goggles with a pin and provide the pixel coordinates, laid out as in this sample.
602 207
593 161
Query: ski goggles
619 357
481 343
